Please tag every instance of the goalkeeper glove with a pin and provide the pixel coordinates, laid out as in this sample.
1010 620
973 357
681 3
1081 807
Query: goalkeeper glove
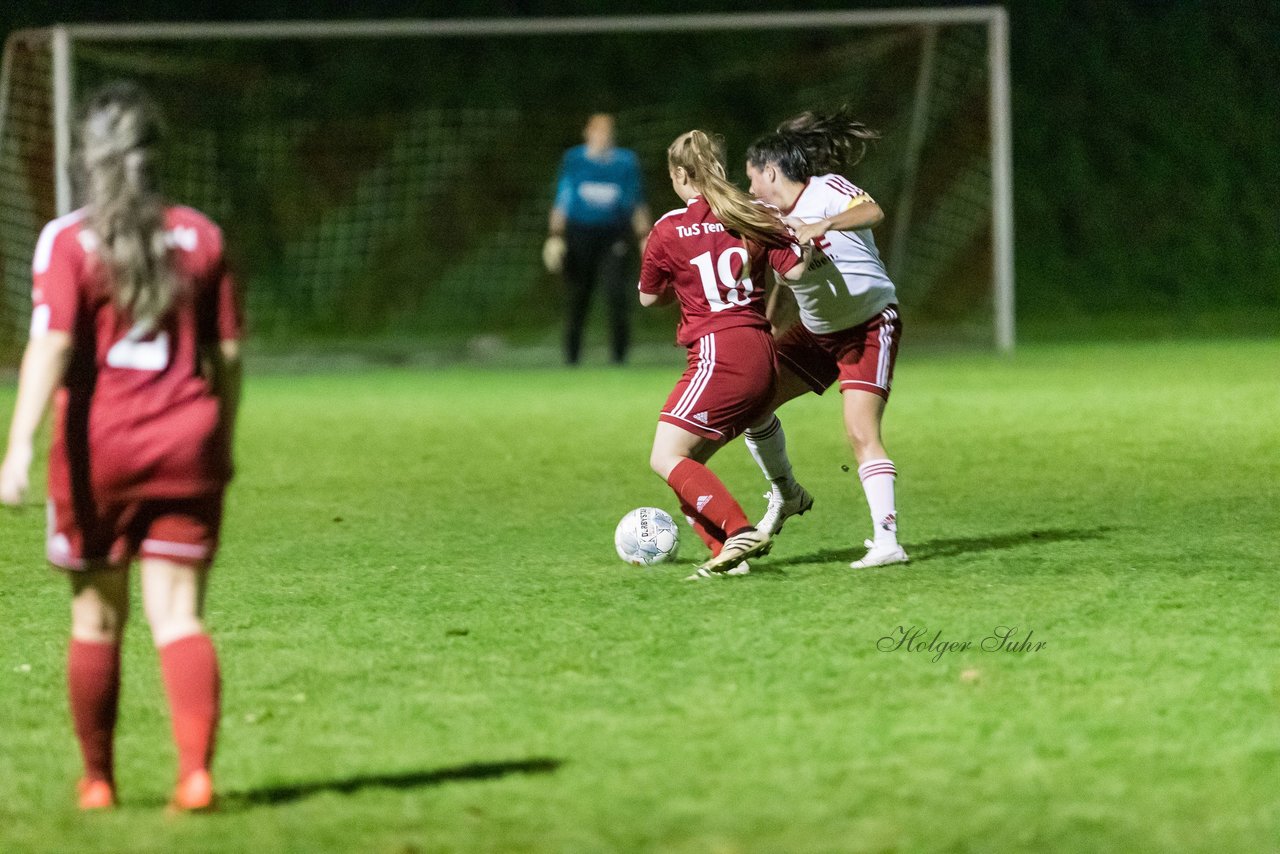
553 252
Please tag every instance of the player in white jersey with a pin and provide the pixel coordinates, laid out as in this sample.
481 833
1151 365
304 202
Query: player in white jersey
849 325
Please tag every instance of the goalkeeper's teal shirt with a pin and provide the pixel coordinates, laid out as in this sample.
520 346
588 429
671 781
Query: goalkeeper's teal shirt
599 193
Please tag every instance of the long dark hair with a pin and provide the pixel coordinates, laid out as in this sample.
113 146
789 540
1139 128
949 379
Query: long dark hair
119 133
813 144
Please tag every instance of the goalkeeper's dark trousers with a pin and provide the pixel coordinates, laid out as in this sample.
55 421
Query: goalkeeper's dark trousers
599 258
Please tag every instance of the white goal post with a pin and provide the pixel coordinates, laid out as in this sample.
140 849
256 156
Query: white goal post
64 44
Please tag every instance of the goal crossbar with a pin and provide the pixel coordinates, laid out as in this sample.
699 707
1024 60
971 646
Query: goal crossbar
483 27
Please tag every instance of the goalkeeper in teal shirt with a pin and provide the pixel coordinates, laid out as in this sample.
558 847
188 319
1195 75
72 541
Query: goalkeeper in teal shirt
598 219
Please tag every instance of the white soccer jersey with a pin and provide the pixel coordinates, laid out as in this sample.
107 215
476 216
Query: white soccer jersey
846 283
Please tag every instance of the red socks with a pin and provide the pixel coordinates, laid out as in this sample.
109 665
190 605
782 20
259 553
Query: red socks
704 498
190 669
93 682
713 537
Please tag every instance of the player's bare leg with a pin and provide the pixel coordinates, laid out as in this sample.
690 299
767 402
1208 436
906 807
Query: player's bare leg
679 458
671 445
863 412
767 443
99 610
173 597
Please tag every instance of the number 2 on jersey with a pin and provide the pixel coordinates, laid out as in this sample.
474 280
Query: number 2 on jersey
133 352
736 291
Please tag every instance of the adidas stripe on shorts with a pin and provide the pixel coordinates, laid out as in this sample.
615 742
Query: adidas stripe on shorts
727 386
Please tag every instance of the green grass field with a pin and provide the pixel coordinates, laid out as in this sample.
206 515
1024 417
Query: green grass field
428 644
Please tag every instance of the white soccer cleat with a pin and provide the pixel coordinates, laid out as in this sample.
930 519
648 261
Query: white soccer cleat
880 556
781 509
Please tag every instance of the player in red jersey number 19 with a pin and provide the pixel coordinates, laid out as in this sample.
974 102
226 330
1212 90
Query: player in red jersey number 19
134 338
714 257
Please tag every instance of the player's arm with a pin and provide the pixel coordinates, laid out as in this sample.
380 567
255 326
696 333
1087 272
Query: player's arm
564 194
641 223
655 281
553 249
795 272
222 348
862 212
226 381
55 308
44 365
781 309
789 262
556 222
664 297
788 265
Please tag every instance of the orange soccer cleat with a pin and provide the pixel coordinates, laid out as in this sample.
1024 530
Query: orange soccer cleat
193 794
95 795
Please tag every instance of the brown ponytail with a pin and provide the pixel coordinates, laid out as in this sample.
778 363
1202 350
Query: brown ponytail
119 132
835 141
813 144
702 158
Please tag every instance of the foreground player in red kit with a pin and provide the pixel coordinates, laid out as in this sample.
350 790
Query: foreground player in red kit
136 330
714 257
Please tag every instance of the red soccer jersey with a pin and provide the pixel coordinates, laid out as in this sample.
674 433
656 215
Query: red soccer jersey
719 282
136 417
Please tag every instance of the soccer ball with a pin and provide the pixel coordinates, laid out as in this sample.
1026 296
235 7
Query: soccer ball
647 536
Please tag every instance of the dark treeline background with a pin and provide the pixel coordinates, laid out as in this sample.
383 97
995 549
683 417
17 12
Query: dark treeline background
1146 138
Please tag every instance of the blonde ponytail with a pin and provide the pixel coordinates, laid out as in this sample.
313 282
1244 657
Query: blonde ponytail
119 133
702 157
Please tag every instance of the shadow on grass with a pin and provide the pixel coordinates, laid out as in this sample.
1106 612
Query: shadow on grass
274 795
955 546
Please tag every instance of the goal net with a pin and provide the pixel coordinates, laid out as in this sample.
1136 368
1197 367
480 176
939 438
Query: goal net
392 179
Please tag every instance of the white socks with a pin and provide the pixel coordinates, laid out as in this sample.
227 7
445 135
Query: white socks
878 477
768 446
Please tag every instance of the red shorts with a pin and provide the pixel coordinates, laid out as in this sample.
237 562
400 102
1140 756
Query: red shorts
183 530
862 356
728 385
